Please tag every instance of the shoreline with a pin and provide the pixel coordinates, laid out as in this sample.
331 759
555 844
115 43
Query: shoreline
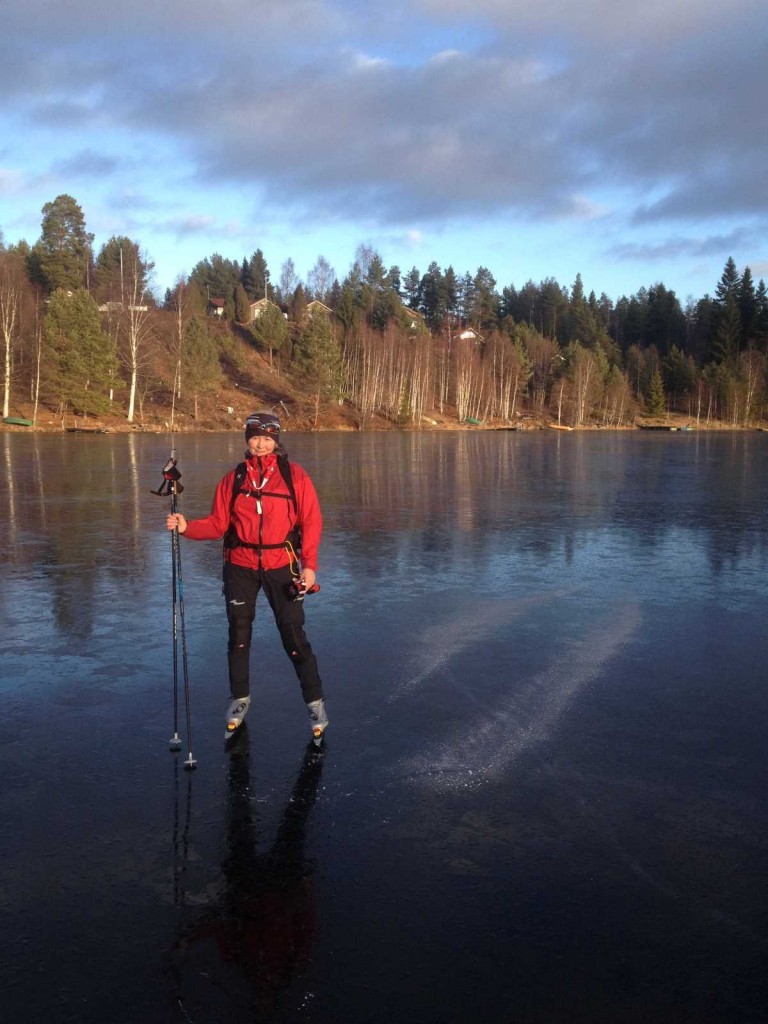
106 426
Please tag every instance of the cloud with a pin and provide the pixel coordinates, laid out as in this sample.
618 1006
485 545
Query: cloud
405 142
330 112
681 246
490 132
11 180
184 227
174 20
657 22
85 164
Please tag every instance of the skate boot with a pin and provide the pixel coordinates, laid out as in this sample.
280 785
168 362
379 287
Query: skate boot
318 720
236 712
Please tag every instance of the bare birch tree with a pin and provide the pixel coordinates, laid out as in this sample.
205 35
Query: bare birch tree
752 366
585 373
134 272
10 318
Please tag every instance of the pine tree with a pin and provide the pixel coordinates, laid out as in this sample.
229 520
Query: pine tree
483 311
118 260
411 283
218 278
63 254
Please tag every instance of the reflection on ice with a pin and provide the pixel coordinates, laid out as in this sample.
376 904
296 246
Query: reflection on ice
259 922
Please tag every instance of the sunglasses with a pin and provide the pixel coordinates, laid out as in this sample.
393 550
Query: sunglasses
264 427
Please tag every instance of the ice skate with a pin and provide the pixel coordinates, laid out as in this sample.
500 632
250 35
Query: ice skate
318 720
236 713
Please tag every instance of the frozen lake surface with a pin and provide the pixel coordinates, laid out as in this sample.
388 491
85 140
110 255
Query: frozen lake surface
543 797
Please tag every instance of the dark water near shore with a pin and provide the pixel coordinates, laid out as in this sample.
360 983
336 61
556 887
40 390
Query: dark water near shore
543 797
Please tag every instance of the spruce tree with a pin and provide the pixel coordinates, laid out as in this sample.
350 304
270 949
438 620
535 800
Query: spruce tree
80 359
657 400
242 306
202 370
317 355
259 276
747 300
270 330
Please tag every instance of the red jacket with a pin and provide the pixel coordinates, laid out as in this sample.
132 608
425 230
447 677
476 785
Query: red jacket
267 519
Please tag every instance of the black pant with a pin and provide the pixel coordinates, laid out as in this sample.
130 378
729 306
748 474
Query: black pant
241 588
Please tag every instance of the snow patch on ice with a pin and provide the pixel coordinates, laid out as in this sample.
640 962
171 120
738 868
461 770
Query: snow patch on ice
490 742
444 640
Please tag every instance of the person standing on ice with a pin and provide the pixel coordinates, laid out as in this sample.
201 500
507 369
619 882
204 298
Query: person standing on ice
267 511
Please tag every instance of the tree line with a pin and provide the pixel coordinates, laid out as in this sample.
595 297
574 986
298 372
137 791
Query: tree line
84 331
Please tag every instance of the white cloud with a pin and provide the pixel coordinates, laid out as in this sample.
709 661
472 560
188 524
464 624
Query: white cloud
362 62
10 181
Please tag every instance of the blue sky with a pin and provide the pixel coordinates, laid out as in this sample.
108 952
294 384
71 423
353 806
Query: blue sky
627 142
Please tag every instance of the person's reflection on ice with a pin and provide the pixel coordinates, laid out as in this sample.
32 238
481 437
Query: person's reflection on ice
264 922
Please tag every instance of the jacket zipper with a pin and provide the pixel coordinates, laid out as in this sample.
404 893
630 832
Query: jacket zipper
259 510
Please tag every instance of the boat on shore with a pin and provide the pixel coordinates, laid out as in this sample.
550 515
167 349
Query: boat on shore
17 421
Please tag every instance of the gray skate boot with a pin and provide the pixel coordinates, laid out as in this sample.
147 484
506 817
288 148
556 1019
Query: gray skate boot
318 720
236 712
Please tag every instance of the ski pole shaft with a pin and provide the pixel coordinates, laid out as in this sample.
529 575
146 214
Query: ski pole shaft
172 487
190 762
175 742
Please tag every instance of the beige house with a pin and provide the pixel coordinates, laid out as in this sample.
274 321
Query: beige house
316 306
259 307
414 317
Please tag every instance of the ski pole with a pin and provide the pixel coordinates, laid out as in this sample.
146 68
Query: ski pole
175 742
172 487
190 762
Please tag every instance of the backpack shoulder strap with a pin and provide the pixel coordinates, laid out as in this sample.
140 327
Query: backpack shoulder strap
285 471
241 471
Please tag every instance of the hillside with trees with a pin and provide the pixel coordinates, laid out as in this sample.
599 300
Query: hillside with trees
86 340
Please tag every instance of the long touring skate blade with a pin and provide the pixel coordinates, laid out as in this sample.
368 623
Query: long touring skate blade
237 730
235 723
